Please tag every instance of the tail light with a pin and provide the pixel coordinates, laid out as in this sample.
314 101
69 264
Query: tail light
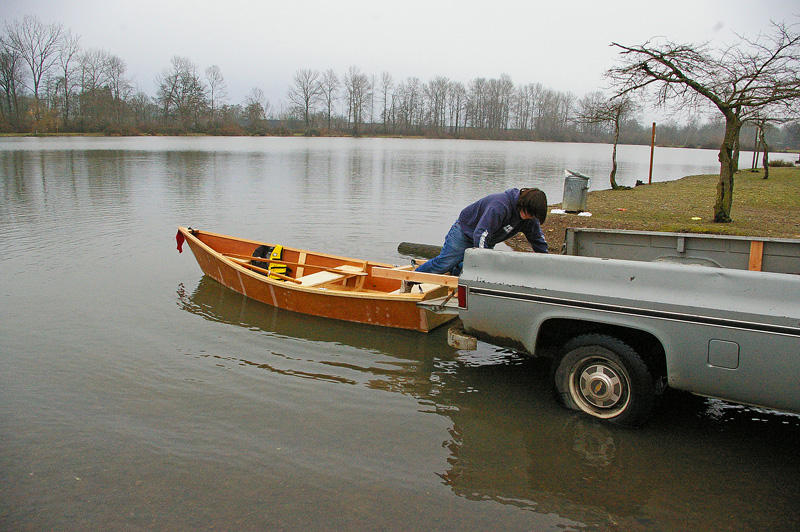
462 296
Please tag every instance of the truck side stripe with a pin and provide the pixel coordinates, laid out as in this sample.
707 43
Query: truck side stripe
660 314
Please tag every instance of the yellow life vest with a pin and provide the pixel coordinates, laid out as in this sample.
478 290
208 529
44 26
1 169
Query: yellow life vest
276 267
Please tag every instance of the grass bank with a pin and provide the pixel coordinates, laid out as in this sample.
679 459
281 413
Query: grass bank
769 208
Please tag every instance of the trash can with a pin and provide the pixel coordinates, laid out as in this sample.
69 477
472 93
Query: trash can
576 192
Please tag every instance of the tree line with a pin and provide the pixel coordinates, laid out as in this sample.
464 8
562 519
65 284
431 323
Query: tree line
49 83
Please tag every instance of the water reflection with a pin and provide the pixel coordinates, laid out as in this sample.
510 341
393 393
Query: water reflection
510 443
214 302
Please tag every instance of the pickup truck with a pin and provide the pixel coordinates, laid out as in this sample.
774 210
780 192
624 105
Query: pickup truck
694 312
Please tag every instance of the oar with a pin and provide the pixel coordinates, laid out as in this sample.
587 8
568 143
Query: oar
279 261
265 271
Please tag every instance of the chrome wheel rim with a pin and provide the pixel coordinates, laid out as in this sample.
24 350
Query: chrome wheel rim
600 387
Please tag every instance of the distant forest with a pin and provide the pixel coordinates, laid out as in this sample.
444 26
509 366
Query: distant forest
50 84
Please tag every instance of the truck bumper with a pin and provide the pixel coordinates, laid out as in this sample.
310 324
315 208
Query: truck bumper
458 339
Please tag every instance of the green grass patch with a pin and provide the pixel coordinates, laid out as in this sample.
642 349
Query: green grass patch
761 207
765 207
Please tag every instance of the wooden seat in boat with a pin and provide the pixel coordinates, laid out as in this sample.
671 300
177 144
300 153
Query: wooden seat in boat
323 277
318 278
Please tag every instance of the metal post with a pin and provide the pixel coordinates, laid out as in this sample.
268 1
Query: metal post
652 147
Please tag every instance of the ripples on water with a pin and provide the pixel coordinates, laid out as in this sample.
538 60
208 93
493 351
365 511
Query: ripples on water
136 393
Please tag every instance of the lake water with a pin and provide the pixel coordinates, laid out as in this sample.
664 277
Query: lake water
137 394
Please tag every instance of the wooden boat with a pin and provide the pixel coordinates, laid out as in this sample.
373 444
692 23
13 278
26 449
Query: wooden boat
325 285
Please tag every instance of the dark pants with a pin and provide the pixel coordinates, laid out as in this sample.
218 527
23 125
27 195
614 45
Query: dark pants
451 258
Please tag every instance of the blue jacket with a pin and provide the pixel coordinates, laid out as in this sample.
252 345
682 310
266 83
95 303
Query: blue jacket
495 218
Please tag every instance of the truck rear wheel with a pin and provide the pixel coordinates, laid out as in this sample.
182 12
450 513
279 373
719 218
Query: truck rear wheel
605 378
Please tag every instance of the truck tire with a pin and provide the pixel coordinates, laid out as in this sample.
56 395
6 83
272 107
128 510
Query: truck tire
605 378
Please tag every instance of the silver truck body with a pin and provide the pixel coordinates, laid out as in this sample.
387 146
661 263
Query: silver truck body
780 255
715 331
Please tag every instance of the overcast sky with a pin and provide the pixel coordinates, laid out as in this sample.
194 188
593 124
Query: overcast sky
562 44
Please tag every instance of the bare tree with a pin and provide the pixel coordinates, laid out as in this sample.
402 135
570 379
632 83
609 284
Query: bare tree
409 103
372 85
38 45
597 109
476 98
304 93
386 95
762 125
357 87
551 108
523 106
501 92
181 92
95 100
69 49
93 65
143 109
587 107
10 81
217 88
435 92
456 97
759 76
490 103
256 110
118 84
329 87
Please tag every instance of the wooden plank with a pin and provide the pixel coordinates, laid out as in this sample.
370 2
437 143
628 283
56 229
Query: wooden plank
360 282
756 255
418 277
352 270
339 273
318 278
300 262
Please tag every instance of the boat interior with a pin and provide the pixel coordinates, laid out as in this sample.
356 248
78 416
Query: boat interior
307 269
